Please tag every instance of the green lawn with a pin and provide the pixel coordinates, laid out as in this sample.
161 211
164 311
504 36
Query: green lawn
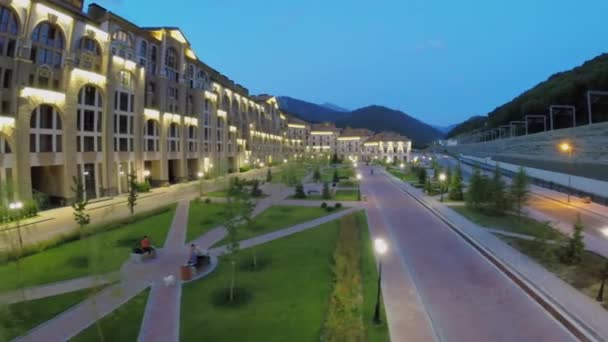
19 318
585 277
508 222
405 176
103 252
346 195
204 216
220 193
286 297
123 324
279 217
375 333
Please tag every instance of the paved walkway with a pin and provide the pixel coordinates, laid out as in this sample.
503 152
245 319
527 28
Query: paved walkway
582 310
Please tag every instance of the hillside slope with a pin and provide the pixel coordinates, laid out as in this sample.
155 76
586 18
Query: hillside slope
563 88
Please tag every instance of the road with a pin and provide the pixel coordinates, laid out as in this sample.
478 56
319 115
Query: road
464 295
595 224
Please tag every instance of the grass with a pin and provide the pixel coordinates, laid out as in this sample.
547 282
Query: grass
279 217
346 195
19 318
585 277
220 193
369 273
407 177
508 222
102 252
285 299
204 216
123 324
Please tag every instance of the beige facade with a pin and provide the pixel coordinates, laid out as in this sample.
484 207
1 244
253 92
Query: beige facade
95 96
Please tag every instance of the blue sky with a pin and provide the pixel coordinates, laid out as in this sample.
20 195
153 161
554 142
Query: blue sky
440 61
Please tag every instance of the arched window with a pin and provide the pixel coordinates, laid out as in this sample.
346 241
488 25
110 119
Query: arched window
173 139
171 64
226 103
5 148
125 79
192 139
122 44
90 54
9 29
151 136
89 121
47 44
45 130
153 60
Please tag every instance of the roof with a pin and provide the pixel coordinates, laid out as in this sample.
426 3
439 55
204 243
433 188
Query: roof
387 136
356 132
262 97
326 126
293 120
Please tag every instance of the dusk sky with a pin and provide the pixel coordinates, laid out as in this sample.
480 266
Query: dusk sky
440 61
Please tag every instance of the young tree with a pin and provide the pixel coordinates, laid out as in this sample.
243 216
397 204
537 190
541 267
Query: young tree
456 192
422 176
334 159
476 192
520 189
255 189
232 225
300 191
576 244
316 176
132 198
428 187
326 193
336 177
269 175
500 202
80 204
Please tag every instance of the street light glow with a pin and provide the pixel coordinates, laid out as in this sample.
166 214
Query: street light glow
146 173
261 164
285 161
565 147
359 176
200 175
15 205
402 165
442 177
380 246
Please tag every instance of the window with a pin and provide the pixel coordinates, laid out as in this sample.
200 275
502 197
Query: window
153 60
47 45
173 138
192 141
151 136
123 121
125 79
89 120
171 64
45 130
143 53
122 44
8 32
90 54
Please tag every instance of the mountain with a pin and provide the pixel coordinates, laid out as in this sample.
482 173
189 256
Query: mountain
563 88
375 118
334 107
307 111
444 129
379 118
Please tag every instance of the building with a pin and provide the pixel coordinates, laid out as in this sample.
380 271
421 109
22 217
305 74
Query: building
350 143
387 147
92 95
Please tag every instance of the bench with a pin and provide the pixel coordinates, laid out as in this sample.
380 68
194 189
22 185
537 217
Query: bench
188 272
142 257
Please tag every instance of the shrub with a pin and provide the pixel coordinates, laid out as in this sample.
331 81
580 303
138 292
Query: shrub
336 177
268 175
329 208
326 193
300 191
323 205
142 187
255 190
338 205
207 200
573 253
244 168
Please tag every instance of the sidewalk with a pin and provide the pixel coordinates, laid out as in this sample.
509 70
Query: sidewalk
584 310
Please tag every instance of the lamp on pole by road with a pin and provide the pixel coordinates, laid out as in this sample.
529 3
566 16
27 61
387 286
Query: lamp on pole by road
200 176
566 147
380 247
442 179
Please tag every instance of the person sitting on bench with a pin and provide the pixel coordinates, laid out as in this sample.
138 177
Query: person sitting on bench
193 258
146 245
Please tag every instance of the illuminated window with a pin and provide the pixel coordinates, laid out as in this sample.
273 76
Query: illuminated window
45 130
89 120
47 45
171 64
90 54
173 143
151 136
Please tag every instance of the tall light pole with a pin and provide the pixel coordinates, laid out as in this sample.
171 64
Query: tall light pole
200 175
566 147
380 247
442 179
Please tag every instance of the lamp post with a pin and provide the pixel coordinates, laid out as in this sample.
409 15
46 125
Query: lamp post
380 247
442 179
566 147
200 175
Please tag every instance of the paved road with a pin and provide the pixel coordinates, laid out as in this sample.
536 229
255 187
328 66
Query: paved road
466 297
595 224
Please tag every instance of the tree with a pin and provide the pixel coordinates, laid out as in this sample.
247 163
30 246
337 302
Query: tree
456 193
428 187
520 191
500 202
300 191
316 176
421 175
233 247
255 189
336 177
132 198
476 194
269 175
576 244
80 204
326 193
334 159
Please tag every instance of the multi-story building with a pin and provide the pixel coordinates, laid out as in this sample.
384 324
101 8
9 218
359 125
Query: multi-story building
350 143
387 147
92 95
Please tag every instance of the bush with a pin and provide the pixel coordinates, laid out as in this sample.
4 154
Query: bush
255 190
142 187
329 208
338 205
326 193
207 200
30 209
300 191
244 168
323 205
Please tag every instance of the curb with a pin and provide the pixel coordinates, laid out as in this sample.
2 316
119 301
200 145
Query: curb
575 326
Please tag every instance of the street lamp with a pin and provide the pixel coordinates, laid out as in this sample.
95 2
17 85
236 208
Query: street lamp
146 173
402 166
380 247
442 179
200 175
566 147
359 176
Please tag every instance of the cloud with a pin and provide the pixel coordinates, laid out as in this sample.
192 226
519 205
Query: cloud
431 44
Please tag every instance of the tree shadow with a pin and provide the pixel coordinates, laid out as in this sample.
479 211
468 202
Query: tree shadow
78 262
246 264
221 297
